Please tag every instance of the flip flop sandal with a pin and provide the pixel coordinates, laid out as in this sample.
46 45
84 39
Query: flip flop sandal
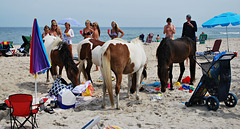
49 110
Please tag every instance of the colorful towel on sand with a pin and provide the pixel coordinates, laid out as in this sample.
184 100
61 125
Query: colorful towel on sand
152 84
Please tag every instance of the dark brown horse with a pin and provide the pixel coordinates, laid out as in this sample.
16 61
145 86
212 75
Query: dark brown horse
175 51
85 49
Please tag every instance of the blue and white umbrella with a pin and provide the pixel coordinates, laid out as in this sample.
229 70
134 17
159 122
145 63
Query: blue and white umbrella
69 20
224 19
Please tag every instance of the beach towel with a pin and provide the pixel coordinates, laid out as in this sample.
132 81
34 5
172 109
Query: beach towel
58 85
152 84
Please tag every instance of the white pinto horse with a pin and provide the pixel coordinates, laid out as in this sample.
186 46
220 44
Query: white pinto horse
84 50
122 58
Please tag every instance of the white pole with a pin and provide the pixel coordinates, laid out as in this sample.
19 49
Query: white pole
35 88
227 38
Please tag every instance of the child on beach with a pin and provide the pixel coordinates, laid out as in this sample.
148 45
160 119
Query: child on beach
46 31
158 38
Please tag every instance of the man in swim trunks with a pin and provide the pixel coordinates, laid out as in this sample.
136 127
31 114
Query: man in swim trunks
169 29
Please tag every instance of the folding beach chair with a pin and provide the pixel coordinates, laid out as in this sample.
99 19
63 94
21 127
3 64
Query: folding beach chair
26 45
215 47
93 122
20 105
202 38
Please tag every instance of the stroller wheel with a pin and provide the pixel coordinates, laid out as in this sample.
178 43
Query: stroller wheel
212 103
188 104
231 100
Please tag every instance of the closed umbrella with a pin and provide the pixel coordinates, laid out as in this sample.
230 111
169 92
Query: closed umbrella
69 20
39 61
224 19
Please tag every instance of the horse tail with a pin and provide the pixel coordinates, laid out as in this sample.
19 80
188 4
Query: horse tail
82 69
106 73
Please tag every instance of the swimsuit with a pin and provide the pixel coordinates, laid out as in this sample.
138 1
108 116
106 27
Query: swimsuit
88 33
114 34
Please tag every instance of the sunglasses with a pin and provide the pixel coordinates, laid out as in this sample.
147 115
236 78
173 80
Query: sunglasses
86 23
113 24
54 25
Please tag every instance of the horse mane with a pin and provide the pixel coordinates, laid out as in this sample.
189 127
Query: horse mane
163 50
56 43
66 56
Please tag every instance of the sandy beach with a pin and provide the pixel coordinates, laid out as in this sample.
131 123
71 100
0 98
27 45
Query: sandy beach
169 112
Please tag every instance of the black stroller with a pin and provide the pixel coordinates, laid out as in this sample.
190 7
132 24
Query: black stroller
216 81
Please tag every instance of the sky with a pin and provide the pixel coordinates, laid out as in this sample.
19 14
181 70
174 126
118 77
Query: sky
127 13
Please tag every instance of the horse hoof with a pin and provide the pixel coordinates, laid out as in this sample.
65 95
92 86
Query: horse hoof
163 90
138 98
171 89
132 91
190 83
48 81
103 106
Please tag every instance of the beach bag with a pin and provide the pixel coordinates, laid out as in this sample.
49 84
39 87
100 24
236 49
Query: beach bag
89 90
58 85
86 89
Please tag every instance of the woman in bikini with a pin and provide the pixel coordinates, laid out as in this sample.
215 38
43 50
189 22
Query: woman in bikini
54 31
87 31
96 34
96 31
115 31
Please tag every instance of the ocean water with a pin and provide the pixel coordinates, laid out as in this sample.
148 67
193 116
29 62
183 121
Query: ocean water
15 33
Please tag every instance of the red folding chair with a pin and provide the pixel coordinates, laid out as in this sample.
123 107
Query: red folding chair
20 105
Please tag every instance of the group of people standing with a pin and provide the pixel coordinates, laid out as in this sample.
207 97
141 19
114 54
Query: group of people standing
91 30
189 28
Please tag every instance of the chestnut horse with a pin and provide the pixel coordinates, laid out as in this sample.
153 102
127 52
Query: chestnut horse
175 51
122 58
85 49
60 55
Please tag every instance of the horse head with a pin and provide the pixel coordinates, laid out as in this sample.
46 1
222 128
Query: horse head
163 55
70 66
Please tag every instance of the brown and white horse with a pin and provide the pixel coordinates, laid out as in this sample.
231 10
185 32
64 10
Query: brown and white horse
85 49
122 58
59 55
